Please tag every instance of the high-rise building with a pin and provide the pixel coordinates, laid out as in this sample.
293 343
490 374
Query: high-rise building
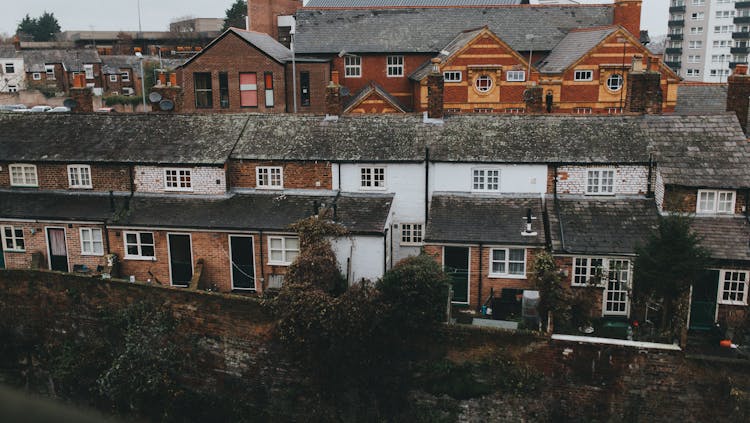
707 38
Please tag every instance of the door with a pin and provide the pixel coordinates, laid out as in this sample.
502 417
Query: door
242 261
703 301
456 265
2 258
180 259
58 250
616 301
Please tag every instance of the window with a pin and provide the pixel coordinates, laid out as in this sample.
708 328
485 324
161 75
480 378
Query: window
697 16
269 177
36 76
508 262
715 201
79 176
452 76
113 78
733 287
268 85
89 71
583 75
694 58
515 76
204 98
719 58
675 30
139 246
486 180
724 14
125 77
395 66
696 30
695 44
12 88
699 2
10 68
600 182
587 271
50 71
614 82
91 242
223 90
248 89
411 233
177 180
372 178
693 72
483 83
352 66
677 17
282 249
723 29
23 175
13 239
304 88
617 287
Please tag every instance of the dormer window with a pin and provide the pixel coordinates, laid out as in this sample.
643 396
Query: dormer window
714 201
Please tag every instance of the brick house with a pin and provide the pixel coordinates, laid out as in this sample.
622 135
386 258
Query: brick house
56 69
246 71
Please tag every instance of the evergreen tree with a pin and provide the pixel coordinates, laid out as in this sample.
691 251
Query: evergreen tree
43 28
236 15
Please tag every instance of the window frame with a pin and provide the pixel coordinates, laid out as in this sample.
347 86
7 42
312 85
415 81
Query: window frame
599 178
284 250
412 234
49 70
209 92
507 262
397 68
125 76
92 241
352 66
453 73
722 281
178 180
113 77
78 168
36 76
13 238
716 201
269 170
515 76
375 185
139 244
25 182
484 179
611 86
88 71
248 88
590 271
12 67
483 88
580 78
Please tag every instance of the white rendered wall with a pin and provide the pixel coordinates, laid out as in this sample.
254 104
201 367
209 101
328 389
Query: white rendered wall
367 256
457 177
17 78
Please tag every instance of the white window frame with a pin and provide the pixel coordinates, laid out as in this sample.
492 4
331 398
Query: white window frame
124 76
515 76
394 67
285 261
13 239
26 180
373 178
50 71
36 76
730 292
352 66
453 76
267 174
611 82
598 188
583 75
88 245
179 172
697 16
480 179
88 70
12 67
484 83
76 176
717 194
139 244
507 262
587 270
113 78
412 233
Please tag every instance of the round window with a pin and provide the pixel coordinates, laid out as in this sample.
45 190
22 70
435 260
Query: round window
614 82
483 83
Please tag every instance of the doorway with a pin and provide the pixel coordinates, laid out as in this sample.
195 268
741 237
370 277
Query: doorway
456 265
180 259
242 262
57 249
703 301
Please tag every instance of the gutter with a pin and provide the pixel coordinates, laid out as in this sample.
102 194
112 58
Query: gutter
557 211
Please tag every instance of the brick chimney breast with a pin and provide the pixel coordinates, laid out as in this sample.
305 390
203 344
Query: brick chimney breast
738 94
627 14
435 89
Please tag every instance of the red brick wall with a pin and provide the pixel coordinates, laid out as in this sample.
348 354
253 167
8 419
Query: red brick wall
319 77
297 175
628 14
234 56
263 14
104 177
685 199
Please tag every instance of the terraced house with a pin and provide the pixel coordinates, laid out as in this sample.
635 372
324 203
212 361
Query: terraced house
180 199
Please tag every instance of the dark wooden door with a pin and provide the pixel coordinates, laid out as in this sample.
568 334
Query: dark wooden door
456 265
243 265
703 301
180 259
58 250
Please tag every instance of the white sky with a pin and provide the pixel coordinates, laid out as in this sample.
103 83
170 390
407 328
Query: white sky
157 14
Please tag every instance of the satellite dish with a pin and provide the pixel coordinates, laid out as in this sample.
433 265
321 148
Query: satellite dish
70 103
344 91
154 97
166 105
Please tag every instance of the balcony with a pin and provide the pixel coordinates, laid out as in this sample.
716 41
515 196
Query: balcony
676 23
742 5
674 65
673 50
739 50
742 19
741 35
675 37
678 9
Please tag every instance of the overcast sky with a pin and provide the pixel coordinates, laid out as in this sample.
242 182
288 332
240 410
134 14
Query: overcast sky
157 14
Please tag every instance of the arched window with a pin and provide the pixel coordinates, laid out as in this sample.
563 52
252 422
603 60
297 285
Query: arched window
483 83
614 82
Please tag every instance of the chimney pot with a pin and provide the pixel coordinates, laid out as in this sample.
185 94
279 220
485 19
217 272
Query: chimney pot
637 63
335 77
435 64
740 69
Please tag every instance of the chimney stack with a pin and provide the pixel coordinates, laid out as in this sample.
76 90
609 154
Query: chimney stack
627 14
644 94
533 97
435 88
738 94
333 96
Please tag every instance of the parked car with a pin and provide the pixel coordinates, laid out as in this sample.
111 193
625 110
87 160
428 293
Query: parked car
11 107
59 109
39 109
106 110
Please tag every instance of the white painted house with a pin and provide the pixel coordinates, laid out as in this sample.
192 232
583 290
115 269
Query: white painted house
12 75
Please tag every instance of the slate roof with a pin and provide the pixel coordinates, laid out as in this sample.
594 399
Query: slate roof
701 99
73 59
727 238
428 30
574 46
111 65
16 204
490 219
452 48
406 3
9 51
361 214
701 151
136 138
263 42
600 226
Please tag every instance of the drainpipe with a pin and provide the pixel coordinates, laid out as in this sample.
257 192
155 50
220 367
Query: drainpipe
426 184
747 204
649 187
385 248
339 166
557 210
131 170
391 249
479 294
262 263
